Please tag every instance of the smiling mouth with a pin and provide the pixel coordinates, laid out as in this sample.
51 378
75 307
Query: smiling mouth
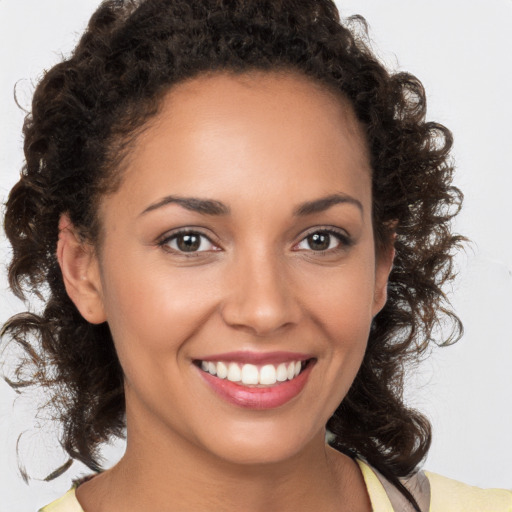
252 375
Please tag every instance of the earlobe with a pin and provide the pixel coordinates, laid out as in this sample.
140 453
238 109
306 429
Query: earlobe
80 272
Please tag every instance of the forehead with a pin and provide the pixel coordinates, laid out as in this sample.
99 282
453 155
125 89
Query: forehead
258 132
268 101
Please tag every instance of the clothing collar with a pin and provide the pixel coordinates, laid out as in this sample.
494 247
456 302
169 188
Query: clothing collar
378 497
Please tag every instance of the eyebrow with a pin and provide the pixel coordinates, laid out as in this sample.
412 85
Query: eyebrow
212 207
324 203
195 204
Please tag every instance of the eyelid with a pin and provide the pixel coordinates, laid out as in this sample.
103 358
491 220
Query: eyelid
164 240
344 238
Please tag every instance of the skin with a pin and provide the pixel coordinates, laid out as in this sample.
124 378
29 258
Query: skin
262 144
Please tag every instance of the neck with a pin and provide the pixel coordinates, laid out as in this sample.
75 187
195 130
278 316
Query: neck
162 472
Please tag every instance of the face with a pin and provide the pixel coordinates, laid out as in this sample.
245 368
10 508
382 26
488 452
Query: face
240 246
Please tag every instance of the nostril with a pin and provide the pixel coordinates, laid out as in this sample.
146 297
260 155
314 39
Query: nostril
259 298
260 319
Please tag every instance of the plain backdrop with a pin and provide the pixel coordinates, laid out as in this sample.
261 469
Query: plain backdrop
460 49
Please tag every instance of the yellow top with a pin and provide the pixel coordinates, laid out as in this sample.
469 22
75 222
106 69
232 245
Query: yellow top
450 495
446 496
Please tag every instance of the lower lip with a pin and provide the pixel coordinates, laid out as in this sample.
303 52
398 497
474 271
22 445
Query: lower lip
258 398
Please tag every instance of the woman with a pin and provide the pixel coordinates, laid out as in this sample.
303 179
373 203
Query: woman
241 225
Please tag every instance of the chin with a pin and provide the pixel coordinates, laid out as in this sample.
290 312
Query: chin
249 446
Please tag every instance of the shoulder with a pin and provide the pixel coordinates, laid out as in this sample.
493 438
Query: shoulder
448 494
434 493
67 503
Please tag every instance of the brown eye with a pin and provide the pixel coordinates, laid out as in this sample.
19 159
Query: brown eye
188 242
320 241
324 240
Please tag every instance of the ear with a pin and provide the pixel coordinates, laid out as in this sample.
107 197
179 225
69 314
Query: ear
383 267
80 271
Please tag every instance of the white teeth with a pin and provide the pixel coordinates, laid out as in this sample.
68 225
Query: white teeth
222 370
234 373
282 373
212 368
250 374
268 375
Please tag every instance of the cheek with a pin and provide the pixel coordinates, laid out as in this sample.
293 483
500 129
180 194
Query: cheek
343 300
342 309
153 312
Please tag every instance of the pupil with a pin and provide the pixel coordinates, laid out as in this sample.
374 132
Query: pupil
319 241
189 243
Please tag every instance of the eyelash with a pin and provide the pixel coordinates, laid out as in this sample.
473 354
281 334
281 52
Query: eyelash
164 242
344 241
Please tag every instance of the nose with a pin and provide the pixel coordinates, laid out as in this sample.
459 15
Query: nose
260 296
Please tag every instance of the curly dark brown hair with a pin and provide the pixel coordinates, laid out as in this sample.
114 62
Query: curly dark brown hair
87 111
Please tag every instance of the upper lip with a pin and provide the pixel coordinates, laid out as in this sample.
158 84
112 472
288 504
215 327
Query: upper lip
257 358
